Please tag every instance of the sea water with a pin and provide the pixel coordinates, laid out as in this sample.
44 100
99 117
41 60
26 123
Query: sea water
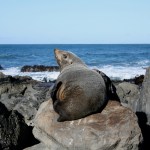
118 61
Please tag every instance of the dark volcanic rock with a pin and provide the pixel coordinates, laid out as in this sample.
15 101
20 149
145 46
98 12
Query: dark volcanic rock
23 94
39 68
14 133
1 68
20 98
137 80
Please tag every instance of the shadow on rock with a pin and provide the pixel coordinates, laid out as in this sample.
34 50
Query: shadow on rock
142 119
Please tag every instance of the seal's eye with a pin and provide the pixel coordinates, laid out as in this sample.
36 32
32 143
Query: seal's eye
64 56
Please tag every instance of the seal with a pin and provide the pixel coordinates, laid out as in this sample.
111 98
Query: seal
110 88
78 90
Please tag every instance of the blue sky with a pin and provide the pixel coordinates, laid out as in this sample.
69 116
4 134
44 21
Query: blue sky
72 22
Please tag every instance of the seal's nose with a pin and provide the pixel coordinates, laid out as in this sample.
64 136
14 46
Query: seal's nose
57 54
56 51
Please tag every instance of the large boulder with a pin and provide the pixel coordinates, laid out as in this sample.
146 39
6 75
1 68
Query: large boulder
39 68
115 128
135 94
144 101
128 94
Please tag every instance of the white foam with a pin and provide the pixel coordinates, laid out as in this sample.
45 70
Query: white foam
11 71
143 62
114 72
35 75
120 72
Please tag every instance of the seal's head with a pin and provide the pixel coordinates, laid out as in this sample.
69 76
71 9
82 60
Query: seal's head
65 58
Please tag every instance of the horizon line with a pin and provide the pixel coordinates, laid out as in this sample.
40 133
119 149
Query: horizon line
75 44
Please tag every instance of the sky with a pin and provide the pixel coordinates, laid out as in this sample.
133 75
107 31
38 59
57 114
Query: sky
74 22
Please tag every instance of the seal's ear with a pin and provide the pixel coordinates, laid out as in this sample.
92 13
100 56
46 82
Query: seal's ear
70 61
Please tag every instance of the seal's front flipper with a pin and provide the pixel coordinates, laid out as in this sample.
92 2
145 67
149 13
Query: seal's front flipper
61 119
63 116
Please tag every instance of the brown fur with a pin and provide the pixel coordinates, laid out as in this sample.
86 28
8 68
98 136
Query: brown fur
78 91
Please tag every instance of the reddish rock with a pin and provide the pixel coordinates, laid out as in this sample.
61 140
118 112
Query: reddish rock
115 128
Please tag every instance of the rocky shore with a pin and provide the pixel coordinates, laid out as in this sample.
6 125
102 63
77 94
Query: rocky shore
39 68
25 103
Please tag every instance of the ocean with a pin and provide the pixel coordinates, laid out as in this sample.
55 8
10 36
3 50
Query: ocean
118 61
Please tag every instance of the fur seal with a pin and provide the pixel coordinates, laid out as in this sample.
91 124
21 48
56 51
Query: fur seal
110 88
78 90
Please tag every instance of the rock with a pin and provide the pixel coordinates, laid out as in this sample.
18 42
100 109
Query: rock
1 75
39 146
138 80
39 68
20 98
23 94
115 128
128 94
144 101
143 110
14 133
1 68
